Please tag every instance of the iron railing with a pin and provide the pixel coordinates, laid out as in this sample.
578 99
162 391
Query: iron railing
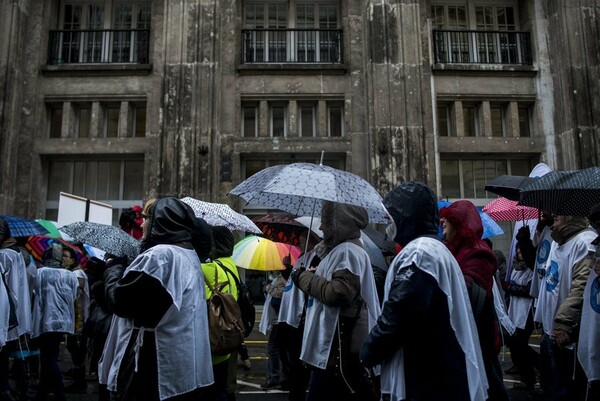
482 47
99 46
292 46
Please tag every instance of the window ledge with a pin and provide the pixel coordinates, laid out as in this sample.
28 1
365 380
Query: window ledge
483 69
293 68
460 145
96 69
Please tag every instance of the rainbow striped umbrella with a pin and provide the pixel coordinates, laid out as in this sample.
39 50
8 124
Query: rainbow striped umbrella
36 245
257 253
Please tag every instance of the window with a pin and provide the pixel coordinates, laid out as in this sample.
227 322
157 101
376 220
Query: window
278 119
335 119
524 122
116 182
138 120
84 117
111 120
444 120
497 115
466 178
249 120
56 113
471 120
308 124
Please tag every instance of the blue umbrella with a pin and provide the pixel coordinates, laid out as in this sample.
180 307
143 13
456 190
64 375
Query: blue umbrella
490 227
21 227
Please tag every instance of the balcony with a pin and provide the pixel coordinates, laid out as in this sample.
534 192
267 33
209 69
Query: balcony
130 46
482 47
292 46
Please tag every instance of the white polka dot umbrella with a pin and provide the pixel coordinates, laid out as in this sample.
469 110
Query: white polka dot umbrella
296 187
570 193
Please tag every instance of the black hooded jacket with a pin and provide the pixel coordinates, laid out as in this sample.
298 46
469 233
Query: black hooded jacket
415 316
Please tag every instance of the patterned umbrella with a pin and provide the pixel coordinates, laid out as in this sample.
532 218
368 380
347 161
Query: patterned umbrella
257 253
281 227
503 209
508 186
36 245
490 227
108 238
220 214
300 188
569 193
20 227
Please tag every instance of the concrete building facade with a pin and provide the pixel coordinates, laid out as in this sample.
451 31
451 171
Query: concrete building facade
121 100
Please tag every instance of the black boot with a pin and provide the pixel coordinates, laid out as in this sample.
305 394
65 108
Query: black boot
79 384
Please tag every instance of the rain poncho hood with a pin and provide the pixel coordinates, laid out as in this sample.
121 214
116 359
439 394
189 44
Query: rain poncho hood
464 217
202 239
222 242
52 257
413 207
171 222
344 222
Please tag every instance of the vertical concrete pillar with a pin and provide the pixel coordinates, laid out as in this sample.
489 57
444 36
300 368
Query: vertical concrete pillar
69 119
96 120
512 120
459 118
124 128
263 116
486 119
293 110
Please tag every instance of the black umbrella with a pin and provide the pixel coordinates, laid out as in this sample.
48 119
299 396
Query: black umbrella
569 193
508 186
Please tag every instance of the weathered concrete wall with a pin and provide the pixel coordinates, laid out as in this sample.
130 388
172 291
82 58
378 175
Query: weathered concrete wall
399 92
574 49
14 16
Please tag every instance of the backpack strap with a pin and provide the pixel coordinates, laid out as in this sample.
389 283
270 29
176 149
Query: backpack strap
228 271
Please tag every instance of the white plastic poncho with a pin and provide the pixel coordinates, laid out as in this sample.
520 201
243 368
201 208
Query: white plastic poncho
4 314
54 301
182 340
269 314
292 300
500 309
432 257
15 274
559 275
321 319
84 297
589 335
541 259
519 307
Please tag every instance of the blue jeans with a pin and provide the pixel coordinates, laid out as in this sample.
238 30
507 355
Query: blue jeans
274 361
556 369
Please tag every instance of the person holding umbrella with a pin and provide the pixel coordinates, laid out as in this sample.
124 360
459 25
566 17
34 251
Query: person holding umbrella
342 305
158 345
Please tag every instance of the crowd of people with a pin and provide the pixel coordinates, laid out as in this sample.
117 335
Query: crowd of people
430 329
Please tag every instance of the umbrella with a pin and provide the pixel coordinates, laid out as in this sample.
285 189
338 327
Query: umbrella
257 253
508 186
36 245
51 227
21 227
490 227
569 193
300 188
372 249
503 209
110 239
220 214
282 227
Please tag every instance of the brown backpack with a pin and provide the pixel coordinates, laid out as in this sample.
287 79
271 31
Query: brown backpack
225 327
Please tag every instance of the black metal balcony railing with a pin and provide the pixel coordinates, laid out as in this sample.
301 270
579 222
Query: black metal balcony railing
482 47
99 46
292 46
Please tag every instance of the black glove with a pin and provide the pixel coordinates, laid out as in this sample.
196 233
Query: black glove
295 275
523 234
118 260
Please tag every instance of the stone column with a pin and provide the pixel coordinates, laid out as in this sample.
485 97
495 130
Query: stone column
124 121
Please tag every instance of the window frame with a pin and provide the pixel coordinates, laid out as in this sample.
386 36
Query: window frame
285 107
330 106
312 107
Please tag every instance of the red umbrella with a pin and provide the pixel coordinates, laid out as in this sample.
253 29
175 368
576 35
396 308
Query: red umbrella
282 227
36 245
503 209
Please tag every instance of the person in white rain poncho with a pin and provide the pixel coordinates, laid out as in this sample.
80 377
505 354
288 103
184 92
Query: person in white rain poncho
158 345
342 305
53 316
426 338
588 351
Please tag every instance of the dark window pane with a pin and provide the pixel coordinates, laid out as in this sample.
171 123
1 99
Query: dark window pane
524 122
468 179
59 179
253 166
55 122
112 122
91 180
450 179
470 120
140 121
307 121
114 175
79 179
278 121
336 122
102 185
133 180
250 121
85 115
478 178
520 167
443 113
497 121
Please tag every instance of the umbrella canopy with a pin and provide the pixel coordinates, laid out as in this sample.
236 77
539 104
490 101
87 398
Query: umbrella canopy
220 214
21 227
508 186
503 209
300 188
569 193
51 227
257 253
490 227
110 239
282 227
36 245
